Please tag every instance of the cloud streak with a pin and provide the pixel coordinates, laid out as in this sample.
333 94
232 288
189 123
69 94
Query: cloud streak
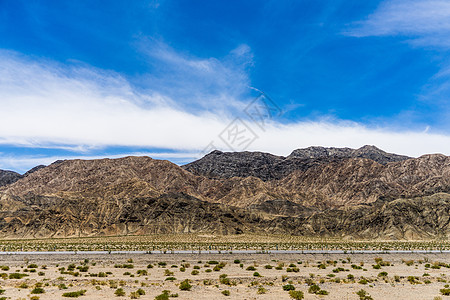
44 104
422 22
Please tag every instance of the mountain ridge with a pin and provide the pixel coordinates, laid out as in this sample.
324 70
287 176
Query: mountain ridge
132 195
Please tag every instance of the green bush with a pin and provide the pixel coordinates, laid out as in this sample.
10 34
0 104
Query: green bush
297 295
363 281
75 294
17 275
313 289
288 287
261 290
140 292
445 292
163 296
226 293
38 290
119 292
185 285
363 295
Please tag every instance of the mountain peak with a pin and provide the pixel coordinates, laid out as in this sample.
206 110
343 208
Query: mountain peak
366 151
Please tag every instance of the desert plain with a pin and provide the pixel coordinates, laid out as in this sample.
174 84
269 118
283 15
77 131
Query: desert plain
224 276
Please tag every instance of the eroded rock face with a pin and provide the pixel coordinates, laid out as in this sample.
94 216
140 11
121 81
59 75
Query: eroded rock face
8 177
327 196
267 166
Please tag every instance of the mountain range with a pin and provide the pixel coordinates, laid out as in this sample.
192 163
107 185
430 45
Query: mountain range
362 193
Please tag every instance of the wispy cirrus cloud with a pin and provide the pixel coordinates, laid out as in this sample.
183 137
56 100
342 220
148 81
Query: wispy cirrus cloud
197 83
49 105
424 25
422 22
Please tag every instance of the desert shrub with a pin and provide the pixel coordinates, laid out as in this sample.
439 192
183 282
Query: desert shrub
256 274
119 292
226 293
23 285
363 295
297 295
251 268
261 290
237 261
382 274
83 268
195 272
163 296
413 280
313 289
288 287
185 285
62 286
75 294
170 278
268 267
363 281
17 275
37 290
445 292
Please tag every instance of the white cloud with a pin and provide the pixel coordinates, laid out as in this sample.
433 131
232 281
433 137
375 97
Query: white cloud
47 105
425 22
197 83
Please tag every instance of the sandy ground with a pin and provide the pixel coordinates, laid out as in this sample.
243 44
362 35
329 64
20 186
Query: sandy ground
206 285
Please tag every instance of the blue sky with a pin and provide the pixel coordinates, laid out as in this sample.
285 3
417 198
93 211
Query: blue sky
88 79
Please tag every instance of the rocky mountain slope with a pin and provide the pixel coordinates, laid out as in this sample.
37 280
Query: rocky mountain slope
311 192
8 177
267 166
